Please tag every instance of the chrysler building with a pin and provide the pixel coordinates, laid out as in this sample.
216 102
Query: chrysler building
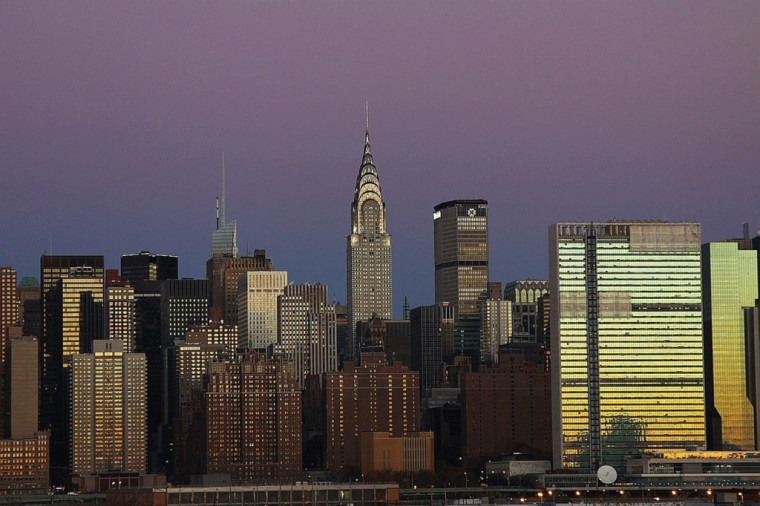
368 252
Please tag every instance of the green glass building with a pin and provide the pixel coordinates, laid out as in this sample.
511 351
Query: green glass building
626 329
729 284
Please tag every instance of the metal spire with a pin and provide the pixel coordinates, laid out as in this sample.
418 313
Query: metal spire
223 218
366 113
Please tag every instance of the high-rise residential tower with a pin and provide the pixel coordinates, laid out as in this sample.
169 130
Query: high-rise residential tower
253 414
460 230
729 284
626 330
368 252
108 410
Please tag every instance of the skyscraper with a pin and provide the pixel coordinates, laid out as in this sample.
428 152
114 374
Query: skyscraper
257 307
223 273
147 266
729 284
495 329
368 252
54 357
202 344
120 310
306 330
626 329
430 328
370 397
524 295
460 229
224 238
25 467
253 413
108 410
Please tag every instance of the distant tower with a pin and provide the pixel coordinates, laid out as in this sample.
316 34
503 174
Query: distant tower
224 238
368 252
460 232
405 313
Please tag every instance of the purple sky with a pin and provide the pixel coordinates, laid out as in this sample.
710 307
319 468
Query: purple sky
113 116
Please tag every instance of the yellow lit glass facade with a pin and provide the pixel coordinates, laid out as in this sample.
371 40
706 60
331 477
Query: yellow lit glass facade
626 341
730 283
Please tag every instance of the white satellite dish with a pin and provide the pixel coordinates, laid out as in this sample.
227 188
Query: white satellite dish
607 474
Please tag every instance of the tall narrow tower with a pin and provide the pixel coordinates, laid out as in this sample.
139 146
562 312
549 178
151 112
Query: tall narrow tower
224 238
368 252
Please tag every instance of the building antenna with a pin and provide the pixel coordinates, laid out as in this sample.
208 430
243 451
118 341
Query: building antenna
366 113
217 212
224 219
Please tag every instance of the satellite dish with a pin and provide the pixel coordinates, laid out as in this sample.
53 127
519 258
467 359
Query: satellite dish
607 474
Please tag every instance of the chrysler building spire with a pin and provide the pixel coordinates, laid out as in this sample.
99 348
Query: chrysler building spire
368 252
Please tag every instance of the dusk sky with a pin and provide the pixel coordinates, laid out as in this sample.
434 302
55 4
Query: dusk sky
113 117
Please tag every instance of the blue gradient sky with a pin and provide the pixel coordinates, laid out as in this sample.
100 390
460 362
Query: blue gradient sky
113 116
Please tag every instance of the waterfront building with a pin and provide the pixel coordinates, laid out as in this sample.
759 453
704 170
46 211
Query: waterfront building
729 284
626 329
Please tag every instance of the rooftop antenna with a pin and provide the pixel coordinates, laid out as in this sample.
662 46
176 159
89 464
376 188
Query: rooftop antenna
224 219
745 231
366 113
217 212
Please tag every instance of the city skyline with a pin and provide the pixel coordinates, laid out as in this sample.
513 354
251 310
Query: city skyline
114 126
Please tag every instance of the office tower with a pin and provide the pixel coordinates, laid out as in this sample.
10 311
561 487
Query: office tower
506 408
524 294
147 266
257 307
752 337
368 252
9 315
460 229
148 341
30 309
729 283
626 328
24 451
184 302
495 328
369 397
108 410
253 413
82 311
120 310
224 238
223 273
56 348
202 344
430 327
307 333
9 308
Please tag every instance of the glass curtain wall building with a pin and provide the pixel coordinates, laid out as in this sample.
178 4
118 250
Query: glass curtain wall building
626 329
729 277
